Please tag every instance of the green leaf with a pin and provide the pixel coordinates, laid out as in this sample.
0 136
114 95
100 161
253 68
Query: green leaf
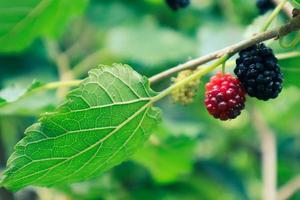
23 21
15 92
169 160
34 85
100 125
295 3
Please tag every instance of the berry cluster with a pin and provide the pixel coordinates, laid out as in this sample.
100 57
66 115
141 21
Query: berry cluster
264 5
176 4
258 75
224 97
259 72
185 94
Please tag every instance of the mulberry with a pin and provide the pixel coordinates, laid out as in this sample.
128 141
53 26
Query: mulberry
176 4
258 70
264 5
185 94
224 96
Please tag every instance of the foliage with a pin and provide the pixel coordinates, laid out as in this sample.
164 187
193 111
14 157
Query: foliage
22 22
192 156
87 134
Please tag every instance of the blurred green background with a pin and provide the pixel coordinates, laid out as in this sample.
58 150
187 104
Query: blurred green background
192 155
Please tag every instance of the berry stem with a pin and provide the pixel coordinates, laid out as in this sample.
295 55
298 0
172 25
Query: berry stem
287 9
223 67
273 15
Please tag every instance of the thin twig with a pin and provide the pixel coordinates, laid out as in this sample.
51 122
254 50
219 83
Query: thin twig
287 9
293 25
289 189
63 65
269 157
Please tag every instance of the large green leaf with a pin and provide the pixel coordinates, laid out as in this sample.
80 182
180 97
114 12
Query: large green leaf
101 124
22 21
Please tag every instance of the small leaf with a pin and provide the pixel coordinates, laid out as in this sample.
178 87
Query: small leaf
21 100
34 85
23 21
100 125
14 93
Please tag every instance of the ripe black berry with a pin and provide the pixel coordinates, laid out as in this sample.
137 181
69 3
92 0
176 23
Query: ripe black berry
176 4
224 96
259 72
264 5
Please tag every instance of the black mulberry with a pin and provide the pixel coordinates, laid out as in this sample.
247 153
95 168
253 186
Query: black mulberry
258 70
264 5
176 4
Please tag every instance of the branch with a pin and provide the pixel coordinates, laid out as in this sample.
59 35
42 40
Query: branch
269 157
287 9
289 189
293 25
62 62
